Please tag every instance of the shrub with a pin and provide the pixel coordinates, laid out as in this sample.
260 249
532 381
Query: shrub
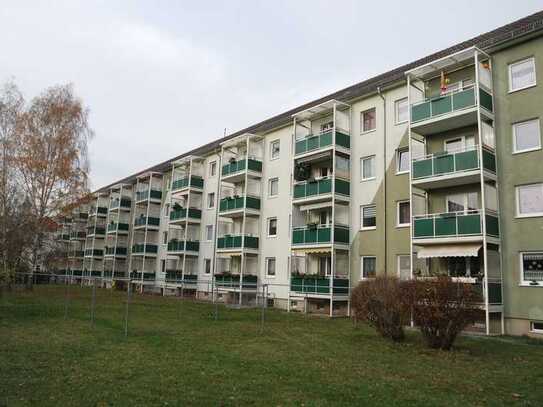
443 308
382 302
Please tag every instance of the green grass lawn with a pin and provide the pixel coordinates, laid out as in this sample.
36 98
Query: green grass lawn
177 354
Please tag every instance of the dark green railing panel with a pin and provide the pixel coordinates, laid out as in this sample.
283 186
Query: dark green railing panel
101 210
466 160
325 186
241 165
441 105
310 235
343 140
254 165
252 202
121 251
494 293
195 181
156 194
343 187
181 213
469 224
422 168
233 281
299 191
341 235
94 252
445 225
315 142
140 248
463 99
485 99
492 225
181 245
489 161
319 285
420 112
312 188
423 228
443 164
251 242
297 236
324 235
235 242
151 221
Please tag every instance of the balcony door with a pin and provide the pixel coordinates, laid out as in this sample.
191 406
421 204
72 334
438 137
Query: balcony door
463 202
459 144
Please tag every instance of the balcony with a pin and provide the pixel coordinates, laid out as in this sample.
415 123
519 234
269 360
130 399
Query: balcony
454 225
232 281
150 222
180 246
177 215
319 235
319 285
313 143
116 251
99 211
153 194
140 248
228 242
94 252
236 204
441 170
321 189
460 107
123 203
177 277
117 227
96 230
142 276
238 168
182 183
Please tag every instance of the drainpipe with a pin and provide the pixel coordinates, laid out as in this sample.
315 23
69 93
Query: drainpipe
384 174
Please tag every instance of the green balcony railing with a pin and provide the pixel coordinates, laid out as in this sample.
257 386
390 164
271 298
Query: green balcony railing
319 285
239 202
96 230
146 221
120 227
319 234
176 276
237 242
140 248
454 224
454 162
250 164
195 182
181 213
119 251
320 141
226 280
321 187
181 246
94 252
146 194
121 203
449 103
139 275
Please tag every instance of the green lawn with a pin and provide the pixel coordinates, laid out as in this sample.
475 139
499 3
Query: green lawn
177 354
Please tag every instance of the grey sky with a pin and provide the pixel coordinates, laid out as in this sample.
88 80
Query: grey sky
163 77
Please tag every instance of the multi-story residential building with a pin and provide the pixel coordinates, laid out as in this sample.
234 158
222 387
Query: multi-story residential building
433 168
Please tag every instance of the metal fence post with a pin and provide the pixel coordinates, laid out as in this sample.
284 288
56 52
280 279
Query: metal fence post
126 310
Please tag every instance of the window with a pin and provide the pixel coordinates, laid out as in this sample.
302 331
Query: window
522 74
325 266
273 187
275 148
368 217
402 161
404 267
403 215
166 210
272 227
212 168
368 266
401 111
368 120
165 237
342 164
530 200
327 126
270 267
526 136
531 265
536 327
468 201
207 266
211 200
209 233
367 168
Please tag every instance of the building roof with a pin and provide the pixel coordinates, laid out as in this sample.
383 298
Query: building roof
487 41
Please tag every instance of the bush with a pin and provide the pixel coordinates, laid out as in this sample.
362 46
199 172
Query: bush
383 303
442 309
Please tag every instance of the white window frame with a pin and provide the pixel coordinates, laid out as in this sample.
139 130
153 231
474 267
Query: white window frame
398 224
514 133
398 151
517 204
209 206
276 179
362 131
509 70
277 141
535 330
210 266
396 110
207 235
362 178
268 226
212 168
524 282
398 258
267 267
362 227
362 267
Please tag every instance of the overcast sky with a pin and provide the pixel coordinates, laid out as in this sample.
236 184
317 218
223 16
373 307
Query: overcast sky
163 77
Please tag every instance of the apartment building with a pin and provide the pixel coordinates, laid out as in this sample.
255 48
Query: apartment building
434 168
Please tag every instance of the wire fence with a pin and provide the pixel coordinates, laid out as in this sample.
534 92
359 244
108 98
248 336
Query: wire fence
135 307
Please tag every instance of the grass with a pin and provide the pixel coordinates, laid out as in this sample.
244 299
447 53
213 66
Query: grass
177 354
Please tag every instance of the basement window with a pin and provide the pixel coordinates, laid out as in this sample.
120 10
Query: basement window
536 327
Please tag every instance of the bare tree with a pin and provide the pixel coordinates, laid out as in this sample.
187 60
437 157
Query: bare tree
51 157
